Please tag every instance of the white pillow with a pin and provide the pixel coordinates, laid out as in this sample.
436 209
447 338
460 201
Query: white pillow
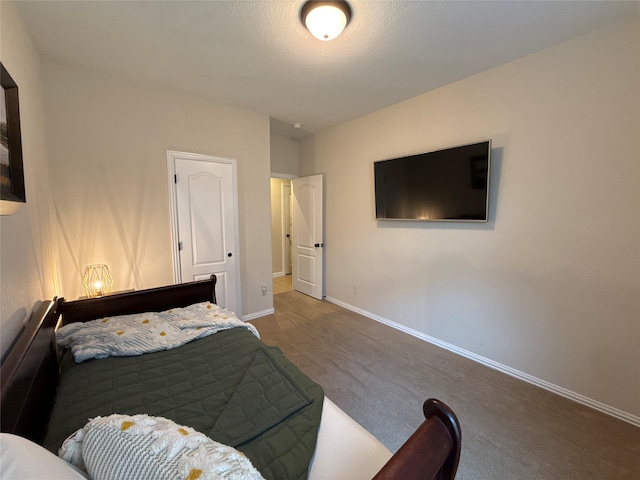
25 460
123 447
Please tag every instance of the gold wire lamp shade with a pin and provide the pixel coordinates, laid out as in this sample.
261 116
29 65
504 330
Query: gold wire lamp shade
325 19
96 280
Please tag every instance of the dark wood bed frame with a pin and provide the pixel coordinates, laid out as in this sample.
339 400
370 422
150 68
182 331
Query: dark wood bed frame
30 371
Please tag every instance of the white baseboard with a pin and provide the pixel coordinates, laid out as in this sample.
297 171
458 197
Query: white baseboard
279 274
576 397
263 313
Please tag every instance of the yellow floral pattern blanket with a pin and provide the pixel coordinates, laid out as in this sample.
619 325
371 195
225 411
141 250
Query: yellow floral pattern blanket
134 447
128 335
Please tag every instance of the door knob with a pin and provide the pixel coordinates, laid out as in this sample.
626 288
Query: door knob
229 254
319 245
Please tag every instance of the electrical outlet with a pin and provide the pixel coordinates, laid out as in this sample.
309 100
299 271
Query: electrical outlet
264 289
355 290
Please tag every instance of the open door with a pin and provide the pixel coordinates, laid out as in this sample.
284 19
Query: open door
308 236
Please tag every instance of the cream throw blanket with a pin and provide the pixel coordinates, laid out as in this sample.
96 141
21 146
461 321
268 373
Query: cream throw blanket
140 447
127 335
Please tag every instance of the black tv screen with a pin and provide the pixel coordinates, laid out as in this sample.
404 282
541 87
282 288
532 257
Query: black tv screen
445 185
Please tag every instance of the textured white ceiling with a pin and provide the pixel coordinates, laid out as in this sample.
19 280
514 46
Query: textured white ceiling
256 55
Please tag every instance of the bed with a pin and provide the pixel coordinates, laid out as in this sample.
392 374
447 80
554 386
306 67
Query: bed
291 431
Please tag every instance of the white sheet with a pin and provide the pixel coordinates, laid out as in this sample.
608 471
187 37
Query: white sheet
24 460
345 450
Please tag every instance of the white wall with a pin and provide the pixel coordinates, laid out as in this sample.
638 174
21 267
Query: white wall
551 285
108 140
27 257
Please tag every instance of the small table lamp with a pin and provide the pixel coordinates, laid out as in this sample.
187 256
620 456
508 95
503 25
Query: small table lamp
96 280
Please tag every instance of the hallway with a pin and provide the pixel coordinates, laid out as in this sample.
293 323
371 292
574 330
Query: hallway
282 284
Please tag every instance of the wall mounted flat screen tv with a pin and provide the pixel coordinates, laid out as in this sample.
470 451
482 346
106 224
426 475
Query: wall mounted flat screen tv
445 185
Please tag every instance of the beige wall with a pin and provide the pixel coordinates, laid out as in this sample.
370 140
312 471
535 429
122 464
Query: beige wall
27 257
108 139
284 156
550 286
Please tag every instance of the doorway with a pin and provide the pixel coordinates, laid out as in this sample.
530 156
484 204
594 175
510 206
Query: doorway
281 226
298 245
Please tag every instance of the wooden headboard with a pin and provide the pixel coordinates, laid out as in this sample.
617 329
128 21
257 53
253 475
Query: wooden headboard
30 370
150 300
30 376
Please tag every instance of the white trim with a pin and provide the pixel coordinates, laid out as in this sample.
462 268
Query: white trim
284 223
263 313
283 237
576 397
283 175
173 210
279 274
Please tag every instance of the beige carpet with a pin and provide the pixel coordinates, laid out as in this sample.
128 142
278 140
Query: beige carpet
510 429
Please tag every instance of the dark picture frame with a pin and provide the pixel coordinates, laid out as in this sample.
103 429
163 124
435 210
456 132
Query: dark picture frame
11 167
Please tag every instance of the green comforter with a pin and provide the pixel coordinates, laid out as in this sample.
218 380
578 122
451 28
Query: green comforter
229 386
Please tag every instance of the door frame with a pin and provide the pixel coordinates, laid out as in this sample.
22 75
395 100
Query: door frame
283 176
285 202
172 156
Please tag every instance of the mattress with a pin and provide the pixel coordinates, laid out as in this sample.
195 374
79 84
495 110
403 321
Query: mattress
345 450
229 386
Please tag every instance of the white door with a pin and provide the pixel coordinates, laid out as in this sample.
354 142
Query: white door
308 236
205 222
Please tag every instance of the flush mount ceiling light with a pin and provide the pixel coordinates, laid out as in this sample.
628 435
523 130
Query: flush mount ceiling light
325 20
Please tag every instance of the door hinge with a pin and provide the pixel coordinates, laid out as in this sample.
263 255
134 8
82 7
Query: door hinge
175 179
179 246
